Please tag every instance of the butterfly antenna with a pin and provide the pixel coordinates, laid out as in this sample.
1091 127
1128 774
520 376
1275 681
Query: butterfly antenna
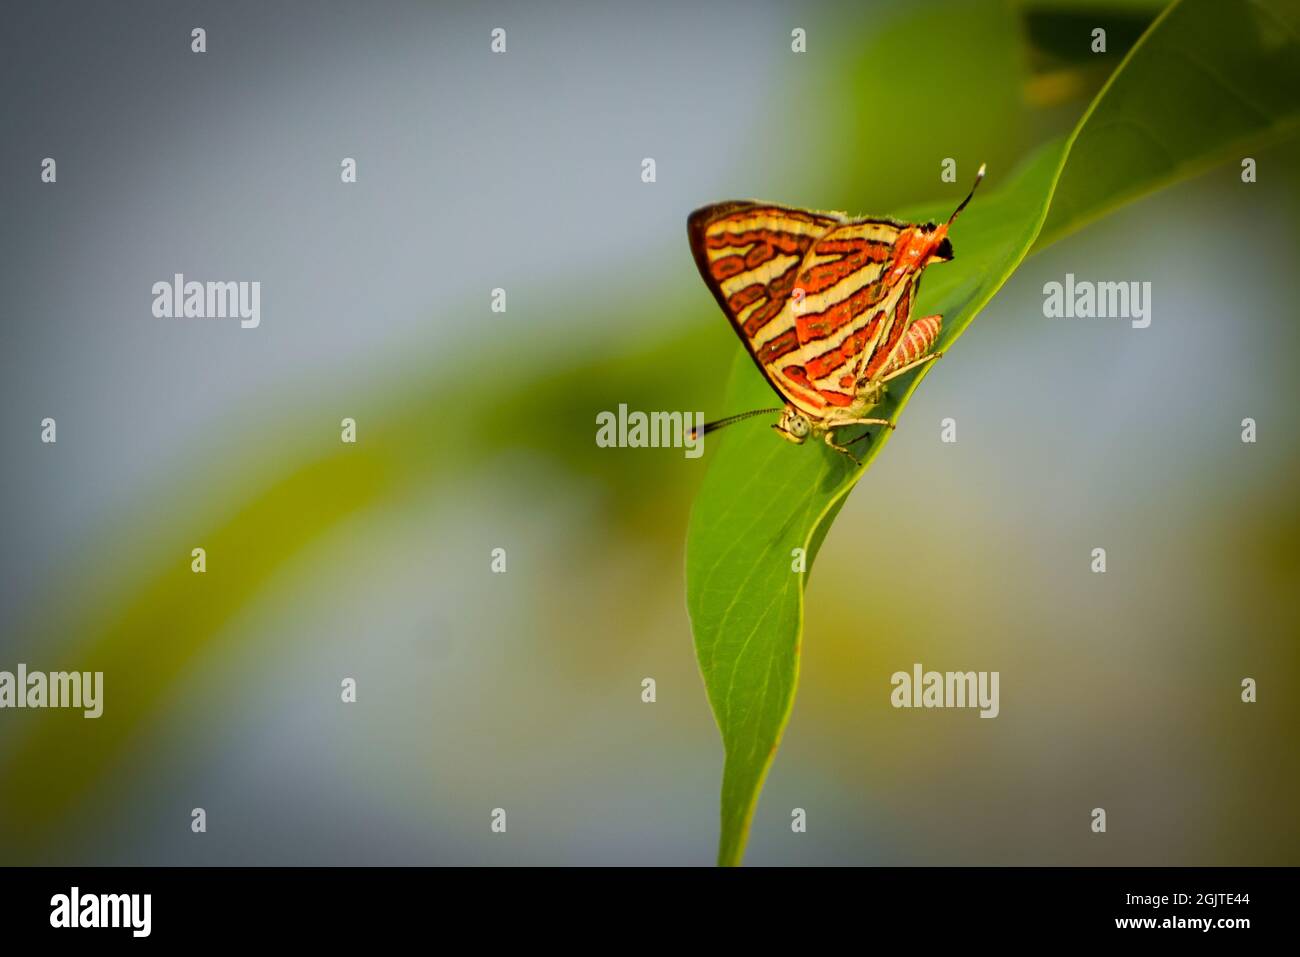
714 426
978 176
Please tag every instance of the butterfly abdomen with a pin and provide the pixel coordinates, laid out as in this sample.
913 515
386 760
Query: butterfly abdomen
920 339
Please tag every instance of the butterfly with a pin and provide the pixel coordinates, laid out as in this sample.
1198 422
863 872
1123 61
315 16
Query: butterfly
823 304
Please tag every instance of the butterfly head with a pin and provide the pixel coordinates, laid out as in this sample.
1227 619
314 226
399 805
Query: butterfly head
793 426
918 247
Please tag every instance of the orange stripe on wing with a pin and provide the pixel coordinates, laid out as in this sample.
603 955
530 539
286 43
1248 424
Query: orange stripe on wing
856 254
885 348
739 300
778 291
782 345
797 382
820 325
720 238
727 266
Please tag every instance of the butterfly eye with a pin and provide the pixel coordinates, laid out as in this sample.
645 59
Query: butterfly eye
799 426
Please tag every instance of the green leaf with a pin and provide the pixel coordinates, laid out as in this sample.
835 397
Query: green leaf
1205 83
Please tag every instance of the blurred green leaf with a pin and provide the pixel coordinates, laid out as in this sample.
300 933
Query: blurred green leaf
151 618
1205 82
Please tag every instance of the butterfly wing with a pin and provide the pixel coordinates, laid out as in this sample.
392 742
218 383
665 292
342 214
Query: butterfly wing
852 312
749 254
892 336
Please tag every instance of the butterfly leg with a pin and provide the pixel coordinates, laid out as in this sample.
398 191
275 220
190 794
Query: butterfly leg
843 450
830 434
843 422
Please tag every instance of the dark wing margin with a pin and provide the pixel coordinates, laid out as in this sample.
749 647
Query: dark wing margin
696 226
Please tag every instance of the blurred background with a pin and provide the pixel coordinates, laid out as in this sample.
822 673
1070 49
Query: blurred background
476 431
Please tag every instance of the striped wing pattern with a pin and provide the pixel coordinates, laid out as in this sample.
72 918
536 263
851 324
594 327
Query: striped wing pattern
749 255
851 315
820 351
